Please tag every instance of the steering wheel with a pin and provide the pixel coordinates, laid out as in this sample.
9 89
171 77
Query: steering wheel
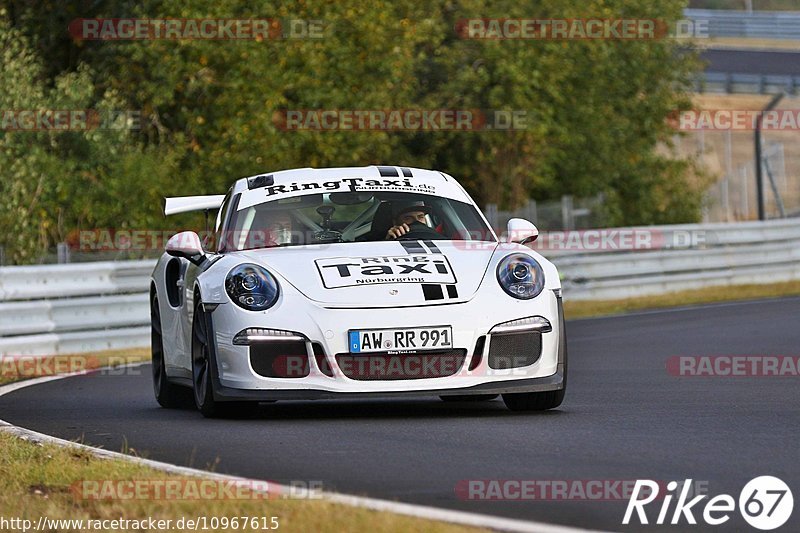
419 231
327 235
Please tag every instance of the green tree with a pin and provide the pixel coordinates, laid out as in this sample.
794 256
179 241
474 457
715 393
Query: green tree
53 183
596 110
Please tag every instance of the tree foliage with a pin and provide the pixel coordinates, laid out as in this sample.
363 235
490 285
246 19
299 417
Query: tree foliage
595 110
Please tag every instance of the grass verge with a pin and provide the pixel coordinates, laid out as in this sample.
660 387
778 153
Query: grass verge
43 480
731 293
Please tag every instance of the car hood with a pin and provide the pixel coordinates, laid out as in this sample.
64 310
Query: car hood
381 274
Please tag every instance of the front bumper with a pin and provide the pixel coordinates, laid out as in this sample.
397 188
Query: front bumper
236 380
556 381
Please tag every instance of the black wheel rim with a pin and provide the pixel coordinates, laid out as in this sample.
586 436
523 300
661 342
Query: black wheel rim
157 346
200 366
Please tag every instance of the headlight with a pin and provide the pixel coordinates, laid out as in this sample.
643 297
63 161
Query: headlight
251 287
520 276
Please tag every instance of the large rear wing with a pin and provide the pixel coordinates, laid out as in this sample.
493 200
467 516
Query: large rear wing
184 204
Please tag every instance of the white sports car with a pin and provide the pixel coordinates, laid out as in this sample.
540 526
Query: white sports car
354 282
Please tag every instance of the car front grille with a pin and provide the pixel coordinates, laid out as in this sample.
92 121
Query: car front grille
279 359
386 366
514 350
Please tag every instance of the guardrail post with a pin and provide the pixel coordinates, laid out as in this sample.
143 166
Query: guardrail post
62 249
567 216
530 211
491 215
759 160
745 200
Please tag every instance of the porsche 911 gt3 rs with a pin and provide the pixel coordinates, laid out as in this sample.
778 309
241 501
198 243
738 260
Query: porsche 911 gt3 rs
354 282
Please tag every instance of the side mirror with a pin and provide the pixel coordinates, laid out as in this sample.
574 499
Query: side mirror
186 244
521 231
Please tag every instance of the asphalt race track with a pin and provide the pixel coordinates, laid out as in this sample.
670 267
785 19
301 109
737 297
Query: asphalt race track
768 62
624 418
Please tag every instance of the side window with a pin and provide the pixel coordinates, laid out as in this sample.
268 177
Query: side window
223 220
223 210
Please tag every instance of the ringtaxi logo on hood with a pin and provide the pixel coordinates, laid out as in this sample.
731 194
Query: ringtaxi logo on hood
353 271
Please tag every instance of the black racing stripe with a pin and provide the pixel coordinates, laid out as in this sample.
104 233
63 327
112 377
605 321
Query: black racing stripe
429 291
388 172
413 247
433 247
432 292
406 172
452 292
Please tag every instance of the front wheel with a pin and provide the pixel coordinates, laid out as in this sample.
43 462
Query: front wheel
534 401
167 394
202 373
202 383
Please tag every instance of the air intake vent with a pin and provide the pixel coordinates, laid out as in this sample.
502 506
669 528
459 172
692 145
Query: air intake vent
279 359
477 355
514 350
384 366
322 361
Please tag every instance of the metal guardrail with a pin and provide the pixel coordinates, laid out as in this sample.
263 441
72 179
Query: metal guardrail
759 24
731 83
88 307
717 254
74 308
84 279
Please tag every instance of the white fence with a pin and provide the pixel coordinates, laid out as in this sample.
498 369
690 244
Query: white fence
93 306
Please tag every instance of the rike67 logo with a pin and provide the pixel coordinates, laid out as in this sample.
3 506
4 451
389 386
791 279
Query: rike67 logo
765 503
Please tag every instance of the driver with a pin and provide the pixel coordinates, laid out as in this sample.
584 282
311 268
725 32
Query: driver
278 228
406 214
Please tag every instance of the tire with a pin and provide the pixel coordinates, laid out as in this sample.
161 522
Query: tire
202 374
534 401
167 394
470 398
542 401
202 382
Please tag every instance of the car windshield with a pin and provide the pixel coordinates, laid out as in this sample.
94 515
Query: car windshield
342 217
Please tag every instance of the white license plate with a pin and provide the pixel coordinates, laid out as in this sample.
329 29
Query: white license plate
416 339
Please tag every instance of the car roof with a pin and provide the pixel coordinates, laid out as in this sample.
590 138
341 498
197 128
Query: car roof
443 184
